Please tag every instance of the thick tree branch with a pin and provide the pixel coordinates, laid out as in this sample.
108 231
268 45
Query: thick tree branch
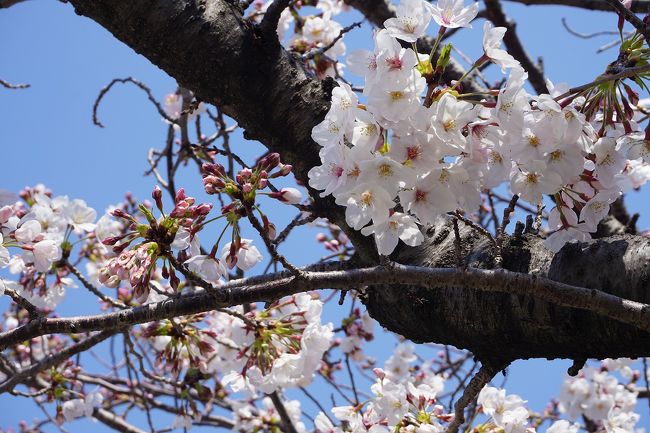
272 16
274 286
640 6
8 3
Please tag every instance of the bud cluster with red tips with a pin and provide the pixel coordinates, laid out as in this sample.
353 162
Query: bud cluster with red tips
158 236
248 181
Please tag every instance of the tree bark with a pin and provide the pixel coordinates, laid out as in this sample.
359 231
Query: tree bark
210 49
503 327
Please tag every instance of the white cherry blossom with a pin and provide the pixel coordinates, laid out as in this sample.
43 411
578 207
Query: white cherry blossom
492 37
411 21
453 13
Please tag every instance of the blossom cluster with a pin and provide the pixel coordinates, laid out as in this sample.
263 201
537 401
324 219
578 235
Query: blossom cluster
254 351
506 412
416 150
597 395
403 399
278 347
32 233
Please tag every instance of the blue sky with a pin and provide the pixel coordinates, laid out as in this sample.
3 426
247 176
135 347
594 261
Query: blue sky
47 133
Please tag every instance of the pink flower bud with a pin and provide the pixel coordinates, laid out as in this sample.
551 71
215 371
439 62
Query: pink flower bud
202 209
180 195
213 169
5 214
269 162
111 240
157 197
287 195
119 213
284 170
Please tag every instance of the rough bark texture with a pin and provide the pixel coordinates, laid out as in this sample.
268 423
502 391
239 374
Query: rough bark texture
504 327
210 49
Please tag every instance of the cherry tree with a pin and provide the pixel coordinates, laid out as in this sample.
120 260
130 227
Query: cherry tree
480 218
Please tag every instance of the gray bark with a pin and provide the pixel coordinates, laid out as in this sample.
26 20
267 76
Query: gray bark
208 48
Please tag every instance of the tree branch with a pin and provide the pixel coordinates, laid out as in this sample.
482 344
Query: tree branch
273 286
282 411
115 421
272 15
53 359
631 18
9 3
137 83
640 6
8 85
484 375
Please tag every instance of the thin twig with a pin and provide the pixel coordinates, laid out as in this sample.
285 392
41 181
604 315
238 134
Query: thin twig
629 72
468 222
297 221
501 232
318 51
91 288
8 85
457 245
269 244
139 84
585 35
53 359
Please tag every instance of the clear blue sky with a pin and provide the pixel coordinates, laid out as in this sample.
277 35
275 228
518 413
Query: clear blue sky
47 133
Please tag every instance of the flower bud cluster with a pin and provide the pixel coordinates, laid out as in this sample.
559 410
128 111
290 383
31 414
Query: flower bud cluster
248 181
157 237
